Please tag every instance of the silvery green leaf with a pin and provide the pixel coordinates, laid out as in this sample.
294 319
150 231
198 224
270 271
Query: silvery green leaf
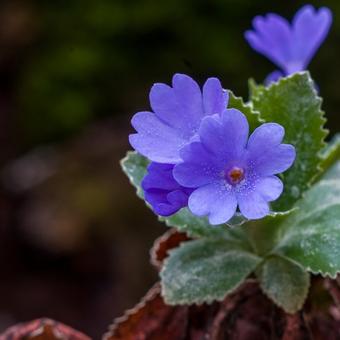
284 282
294 103
205 270
311 235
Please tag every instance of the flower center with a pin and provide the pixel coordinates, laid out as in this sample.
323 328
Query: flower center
235 175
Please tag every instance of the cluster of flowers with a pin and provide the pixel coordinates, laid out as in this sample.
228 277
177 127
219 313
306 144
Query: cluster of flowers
200 150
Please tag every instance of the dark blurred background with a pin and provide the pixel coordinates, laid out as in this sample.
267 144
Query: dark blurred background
74 238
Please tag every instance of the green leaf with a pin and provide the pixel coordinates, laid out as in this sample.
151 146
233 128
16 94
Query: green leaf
311 235
263 234
134 165
284 282
333 172
205 270
293 103
254 88
252 116
331 153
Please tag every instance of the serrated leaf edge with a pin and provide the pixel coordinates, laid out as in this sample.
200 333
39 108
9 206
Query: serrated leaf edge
270 298
150 295
308 269
248 105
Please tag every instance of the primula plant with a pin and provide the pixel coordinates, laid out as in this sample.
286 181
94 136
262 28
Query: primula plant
253 184
251 191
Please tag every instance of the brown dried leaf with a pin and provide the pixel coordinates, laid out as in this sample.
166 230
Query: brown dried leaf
334 289
245 314
151 319
42 329
171 239
296 328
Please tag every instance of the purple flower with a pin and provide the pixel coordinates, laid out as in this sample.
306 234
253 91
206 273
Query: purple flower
290 46
162 191
227 169
176 117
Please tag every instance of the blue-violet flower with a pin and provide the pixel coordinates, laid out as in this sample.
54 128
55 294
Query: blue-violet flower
162 191
290 46
228 171
176 117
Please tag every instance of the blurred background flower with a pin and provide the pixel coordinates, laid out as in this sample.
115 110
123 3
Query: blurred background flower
74 237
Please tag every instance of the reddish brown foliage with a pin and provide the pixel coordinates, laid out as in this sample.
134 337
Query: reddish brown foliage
42 329
150 319
171 239
244 315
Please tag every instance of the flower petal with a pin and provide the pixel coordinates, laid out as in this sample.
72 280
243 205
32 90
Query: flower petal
290 47
236 128
161 190
265 136
164 104
214 200
273 161
177 115
159 176
199 167
215 99
178 198
252 205
270 188
156 140
227 136
189 98
310 28
181 106
266 155
272 38
158 199
211 133
273 77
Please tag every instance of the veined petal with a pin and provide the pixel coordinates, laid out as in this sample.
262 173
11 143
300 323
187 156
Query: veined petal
214 200
215 99
156 140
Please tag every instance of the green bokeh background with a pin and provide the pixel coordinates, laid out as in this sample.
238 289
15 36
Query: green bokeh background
89 59
72 73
